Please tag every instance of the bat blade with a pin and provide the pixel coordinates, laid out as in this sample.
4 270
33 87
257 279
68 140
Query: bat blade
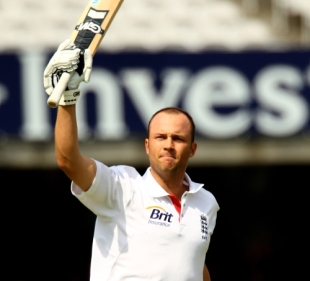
94 23
88 33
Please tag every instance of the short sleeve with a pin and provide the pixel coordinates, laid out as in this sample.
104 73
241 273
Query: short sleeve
215 208
110 192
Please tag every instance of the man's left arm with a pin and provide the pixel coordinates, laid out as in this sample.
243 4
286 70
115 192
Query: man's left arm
206 274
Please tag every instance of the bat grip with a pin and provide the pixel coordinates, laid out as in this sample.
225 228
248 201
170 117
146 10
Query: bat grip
60 87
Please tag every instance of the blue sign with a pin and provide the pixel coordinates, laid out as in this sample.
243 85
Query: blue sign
229 95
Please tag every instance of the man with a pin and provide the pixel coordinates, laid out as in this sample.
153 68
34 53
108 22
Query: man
154 227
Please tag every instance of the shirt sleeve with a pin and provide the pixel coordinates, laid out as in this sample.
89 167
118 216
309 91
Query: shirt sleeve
213 216
110 192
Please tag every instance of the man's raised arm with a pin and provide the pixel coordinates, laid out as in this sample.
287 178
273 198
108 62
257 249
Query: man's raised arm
68 58
78 168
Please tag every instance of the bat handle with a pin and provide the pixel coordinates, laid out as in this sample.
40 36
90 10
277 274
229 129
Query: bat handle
60 87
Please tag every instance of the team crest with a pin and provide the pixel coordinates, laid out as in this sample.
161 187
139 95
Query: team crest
204 220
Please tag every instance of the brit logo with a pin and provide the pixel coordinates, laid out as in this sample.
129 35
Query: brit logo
204 220
159 216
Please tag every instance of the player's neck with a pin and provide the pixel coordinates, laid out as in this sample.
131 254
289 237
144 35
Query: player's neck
172 184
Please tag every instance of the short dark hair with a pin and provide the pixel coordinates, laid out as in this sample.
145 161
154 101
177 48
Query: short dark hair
175 110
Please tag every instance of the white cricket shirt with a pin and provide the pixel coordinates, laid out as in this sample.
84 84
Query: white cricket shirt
139 234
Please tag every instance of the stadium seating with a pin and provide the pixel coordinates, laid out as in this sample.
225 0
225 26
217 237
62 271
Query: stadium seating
150 25
292 17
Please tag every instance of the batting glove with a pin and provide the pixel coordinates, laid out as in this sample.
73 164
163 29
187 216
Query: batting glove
68 58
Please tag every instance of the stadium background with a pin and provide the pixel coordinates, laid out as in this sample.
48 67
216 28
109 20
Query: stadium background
241 68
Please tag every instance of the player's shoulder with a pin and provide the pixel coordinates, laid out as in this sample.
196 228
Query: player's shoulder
206 194
125 168
203 199
126 171
199 188
117 170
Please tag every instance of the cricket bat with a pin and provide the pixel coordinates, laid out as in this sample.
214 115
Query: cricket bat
88 33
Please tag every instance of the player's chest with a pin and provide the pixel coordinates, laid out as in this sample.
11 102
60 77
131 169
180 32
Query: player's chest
160 220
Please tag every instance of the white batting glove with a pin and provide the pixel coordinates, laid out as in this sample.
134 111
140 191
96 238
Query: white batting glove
67 59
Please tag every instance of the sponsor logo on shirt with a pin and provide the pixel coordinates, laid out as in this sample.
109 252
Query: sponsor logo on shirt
159 216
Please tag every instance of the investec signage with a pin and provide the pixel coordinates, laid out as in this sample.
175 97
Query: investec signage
228 94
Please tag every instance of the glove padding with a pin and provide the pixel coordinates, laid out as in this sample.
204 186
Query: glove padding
68 58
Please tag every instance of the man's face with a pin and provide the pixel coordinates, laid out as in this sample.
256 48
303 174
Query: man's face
169 144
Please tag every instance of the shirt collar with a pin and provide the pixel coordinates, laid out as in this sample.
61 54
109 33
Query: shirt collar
157 191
